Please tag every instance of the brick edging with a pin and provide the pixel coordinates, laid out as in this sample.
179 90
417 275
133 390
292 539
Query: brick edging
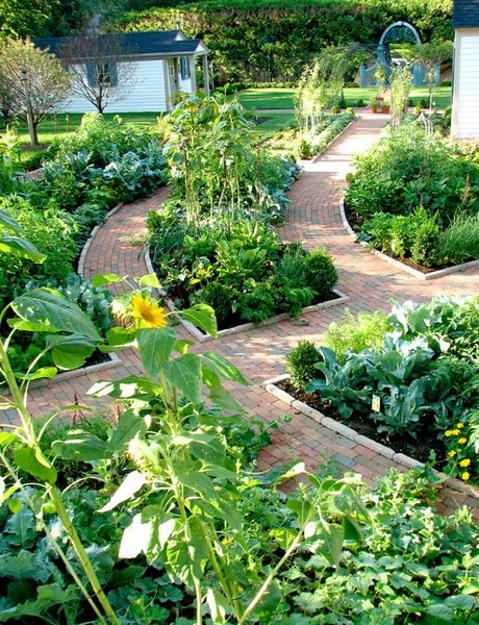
433 275
347 432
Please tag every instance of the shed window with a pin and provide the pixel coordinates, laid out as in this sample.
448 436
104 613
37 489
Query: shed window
185 67
102 74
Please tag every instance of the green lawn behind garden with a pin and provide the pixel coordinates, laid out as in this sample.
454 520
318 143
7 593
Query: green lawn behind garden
280 100
253 99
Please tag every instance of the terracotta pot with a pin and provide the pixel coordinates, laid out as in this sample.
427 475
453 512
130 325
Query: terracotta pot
386 108
374 109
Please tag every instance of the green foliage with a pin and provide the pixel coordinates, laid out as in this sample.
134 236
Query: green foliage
405 568
357 333
300 364
321 273
51 231
424 250
410 169
420 367
235 31
460 241
245 273
84 177
216 168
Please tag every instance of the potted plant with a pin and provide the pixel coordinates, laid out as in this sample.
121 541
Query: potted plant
373 105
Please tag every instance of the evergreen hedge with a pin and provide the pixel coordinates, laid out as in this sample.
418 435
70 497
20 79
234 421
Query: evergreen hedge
263 40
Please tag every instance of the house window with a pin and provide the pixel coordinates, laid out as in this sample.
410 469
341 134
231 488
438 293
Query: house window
185 67
102 75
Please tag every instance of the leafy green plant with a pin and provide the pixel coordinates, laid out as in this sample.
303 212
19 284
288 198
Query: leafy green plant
460 241
357 333
50 230
408 168
300 364
424 249
406 378
245 272
322 275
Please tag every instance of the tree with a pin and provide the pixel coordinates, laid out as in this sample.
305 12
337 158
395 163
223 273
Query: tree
430 55
21 18
102 74
32 81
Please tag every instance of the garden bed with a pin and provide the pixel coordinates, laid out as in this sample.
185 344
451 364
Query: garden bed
414 198
337 297
308 145
405 264
358 430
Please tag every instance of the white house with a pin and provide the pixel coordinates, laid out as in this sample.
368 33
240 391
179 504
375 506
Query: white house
163 64
465 107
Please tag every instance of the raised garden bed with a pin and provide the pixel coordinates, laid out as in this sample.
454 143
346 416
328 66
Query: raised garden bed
405 264
359 431
336 298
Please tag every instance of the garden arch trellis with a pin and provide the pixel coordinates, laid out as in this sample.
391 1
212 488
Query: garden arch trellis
399 32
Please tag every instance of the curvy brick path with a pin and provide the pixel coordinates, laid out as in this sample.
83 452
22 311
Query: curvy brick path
371 283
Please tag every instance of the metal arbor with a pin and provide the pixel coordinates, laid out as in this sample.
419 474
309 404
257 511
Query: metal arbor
399 32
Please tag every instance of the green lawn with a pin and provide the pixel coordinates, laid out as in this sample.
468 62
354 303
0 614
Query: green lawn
253 99
273 122
63 125
279 100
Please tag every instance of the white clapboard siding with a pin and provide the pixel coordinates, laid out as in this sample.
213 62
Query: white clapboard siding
147 95
465 122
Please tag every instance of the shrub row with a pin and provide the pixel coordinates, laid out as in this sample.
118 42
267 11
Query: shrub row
256 40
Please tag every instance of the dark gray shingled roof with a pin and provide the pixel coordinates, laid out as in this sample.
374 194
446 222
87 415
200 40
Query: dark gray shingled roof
151 42
465 14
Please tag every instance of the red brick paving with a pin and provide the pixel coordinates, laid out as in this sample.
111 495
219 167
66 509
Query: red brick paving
371 283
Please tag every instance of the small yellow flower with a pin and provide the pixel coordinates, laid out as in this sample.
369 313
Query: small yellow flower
465 476
147 312
456 432
452 453
460 426
465 463
462 441
448 433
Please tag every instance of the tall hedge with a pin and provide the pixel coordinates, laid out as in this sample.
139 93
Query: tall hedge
261 40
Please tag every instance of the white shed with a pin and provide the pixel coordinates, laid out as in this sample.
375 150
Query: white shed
465 107
160 64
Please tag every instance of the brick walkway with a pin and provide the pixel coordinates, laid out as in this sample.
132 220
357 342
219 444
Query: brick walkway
371 283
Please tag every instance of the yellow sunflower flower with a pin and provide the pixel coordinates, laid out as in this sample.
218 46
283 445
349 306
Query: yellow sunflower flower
455 432
465 476
448 433
462 441
460 426
465 463
147 313
452 453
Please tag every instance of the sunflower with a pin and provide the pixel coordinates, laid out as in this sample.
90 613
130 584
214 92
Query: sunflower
466 475
465 463
147 313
